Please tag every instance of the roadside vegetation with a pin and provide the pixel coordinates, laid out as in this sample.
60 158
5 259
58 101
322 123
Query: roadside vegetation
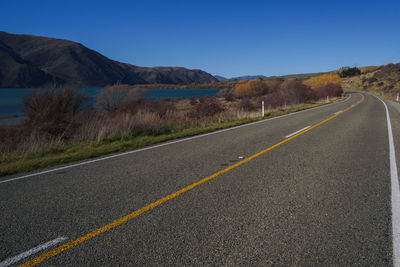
349 72
60 127
383 80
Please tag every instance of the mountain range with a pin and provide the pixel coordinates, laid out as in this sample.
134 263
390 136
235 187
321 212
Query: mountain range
32 61
247 77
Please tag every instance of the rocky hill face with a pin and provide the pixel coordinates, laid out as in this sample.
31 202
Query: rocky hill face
31 61
384 79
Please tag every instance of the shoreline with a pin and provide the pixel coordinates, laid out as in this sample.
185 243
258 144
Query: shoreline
9 117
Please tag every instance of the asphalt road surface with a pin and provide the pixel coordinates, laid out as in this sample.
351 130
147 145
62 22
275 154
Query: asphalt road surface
253 195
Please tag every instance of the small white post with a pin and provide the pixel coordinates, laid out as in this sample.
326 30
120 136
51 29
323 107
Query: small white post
397 97
327 99
262 108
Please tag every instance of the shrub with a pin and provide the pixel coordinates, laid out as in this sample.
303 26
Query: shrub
259 86
229 97
349 72
273 85
255 87
10 137
193 101
331 90
206 99
207 107
223 92
159 107
250 88
322 80
245 104
52 111
295 92
243 89
273 100
116 97
227 94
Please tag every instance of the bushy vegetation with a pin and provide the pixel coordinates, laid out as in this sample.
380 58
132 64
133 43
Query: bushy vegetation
58 119
53 112
115 97
384 80
277 93
206 107
323 80
255 87
349 72
245 104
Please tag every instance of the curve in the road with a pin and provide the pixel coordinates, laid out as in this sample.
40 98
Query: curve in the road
395 191
134 214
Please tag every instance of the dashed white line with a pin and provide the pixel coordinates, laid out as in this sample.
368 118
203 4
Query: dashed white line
395 192
296 132
337 112
32 251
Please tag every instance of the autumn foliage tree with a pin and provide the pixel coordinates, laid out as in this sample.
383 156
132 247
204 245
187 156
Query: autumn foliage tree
295 92
256 87
330 89
326 85
322 80
243 89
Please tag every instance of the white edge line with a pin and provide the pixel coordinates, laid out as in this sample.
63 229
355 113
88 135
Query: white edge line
30 252
296 132
164 144
395 192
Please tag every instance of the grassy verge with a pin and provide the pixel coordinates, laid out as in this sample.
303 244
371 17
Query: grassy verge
386 96
68 152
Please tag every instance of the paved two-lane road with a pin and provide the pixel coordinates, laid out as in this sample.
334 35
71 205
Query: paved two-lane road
321 198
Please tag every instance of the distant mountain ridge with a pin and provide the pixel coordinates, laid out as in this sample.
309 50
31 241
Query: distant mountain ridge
246 77
220 78
31 61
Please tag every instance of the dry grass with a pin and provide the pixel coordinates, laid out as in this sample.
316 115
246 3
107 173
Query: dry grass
136 123
384 79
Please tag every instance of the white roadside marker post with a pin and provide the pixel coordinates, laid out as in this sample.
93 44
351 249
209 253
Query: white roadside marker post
397 97
262 108
327 99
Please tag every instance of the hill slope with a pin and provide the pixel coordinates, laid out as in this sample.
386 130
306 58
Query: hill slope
31 61
17 72
377 79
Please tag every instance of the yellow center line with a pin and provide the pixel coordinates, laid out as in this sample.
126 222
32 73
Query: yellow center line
136 213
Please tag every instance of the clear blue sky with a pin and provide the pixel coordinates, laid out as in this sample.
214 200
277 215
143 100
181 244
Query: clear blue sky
228 38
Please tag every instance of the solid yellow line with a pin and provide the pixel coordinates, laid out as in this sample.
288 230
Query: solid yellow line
136 213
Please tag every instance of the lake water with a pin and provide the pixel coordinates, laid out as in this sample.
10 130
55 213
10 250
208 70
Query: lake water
11 98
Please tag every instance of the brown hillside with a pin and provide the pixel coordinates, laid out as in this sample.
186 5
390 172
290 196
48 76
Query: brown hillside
376 79
32 61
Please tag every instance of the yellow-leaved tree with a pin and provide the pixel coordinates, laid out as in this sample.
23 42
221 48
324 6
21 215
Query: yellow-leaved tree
256 87
323 80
